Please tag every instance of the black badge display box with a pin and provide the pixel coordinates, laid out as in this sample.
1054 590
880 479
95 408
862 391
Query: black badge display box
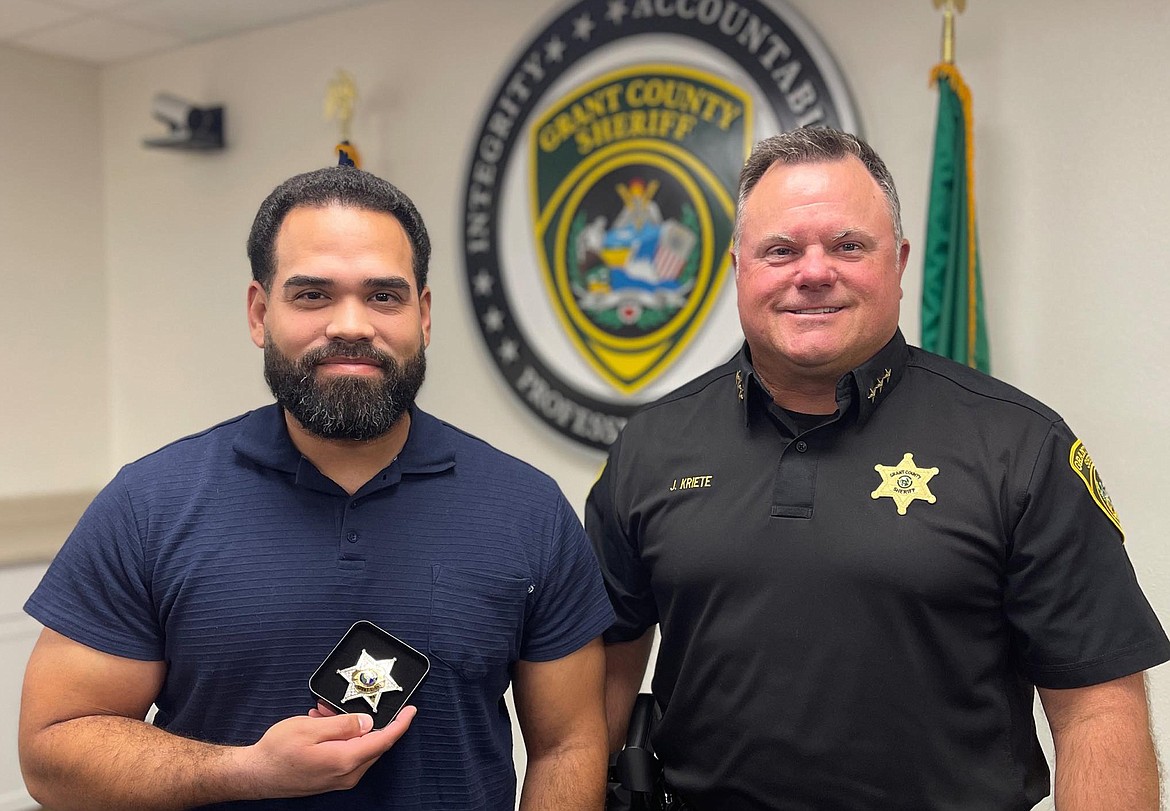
369 671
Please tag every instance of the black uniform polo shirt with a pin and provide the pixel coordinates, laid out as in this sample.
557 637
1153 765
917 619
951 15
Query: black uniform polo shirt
854 616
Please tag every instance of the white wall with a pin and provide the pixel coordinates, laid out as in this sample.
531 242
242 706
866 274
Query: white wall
1069 110
53 331
54 420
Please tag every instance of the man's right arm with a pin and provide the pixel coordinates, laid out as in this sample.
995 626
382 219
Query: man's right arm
625 666
83 743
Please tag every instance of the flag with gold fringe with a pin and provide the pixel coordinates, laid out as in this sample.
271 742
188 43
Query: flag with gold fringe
953 322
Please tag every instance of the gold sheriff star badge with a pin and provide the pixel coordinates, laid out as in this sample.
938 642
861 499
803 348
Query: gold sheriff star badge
905 482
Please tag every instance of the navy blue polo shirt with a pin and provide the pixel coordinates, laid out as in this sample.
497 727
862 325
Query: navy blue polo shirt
854 613
233 559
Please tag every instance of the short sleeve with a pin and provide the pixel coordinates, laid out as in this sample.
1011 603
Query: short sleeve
627 580
570 607
96 590
1077 612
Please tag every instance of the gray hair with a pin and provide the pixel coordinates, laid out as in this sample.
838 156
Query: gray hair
813 145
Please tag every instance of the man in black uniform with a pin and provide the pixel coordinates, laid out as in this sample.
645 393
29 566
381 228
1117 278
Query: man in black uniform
865 558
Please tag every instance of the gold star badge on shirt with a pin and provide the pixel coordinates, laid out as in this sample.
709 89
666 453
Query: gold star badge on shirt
905 482
368 679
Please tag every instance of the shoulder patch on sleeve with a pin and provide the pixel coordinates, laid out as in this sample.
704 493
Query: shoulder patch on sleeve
1082 465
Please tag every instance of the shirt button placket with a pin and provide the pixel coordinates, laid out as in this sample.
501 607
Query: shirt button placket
351 535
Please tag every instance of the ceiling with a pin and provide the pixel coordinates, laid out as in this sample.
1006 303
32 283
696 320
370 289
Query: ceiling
102 32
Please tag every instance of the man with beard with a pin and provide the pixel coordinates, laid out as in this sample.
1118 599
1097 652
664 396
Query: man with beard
212 577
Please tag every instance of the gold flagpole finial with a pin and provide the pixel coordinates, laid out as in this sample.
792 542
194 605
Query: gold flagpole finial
949 8
340 99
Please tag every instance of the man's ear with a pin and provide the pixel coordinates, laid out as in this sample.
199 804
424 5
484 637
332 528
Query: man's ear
424 307
903 256
257 309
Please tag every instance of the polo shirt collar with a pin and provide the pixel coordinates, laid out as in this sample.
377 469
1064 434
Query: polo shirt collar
429 447
868 385
264 439
878 376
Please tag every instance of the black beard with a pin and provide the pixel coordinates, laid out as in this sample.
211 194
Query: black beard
344 407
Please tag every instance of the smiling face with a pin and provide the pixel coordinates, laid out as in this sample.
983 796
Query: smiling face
343 326
818 272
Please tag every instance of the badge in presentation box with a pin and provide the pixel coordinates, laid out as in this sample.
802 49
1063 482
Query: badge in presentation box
370 671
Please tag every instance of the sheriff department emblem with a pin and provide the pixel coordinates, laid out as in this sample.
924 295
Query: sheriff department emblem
905 482
600 197
628 227
1082 464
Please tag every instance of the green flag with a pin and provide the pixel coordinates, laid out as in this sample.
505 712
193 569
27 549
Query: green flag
952 293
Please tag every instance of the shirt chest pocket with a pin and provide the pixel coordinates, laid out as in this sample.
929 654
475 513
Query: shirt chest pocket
477 619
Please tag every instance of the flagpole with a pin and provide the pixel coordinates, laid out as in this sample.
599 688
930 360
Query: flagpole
951 251
949 8
948 37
